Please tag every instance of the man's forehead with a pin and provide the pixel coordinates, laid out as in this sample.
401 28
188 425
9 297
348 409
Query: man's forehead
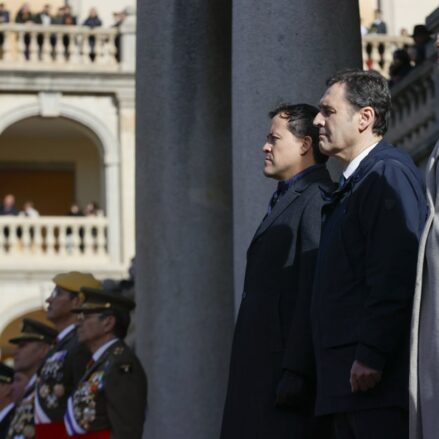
334 90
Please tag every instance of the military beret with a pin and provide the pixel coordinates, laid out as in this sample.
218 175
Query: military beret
33 330
6 374
74 280
99 300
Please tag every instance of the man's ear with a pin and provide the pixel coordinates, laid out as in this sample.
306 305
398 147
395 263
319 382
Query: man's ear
367 118
306 145
109 323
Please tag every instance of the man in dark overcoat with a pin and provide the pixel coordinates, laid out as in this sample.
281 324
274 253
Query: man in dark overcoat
271 381
366 268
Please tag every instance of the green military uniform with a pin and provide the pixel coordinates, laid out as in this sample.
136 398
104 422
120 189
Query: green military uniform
22 424
7 413
66 362
60 373
112 394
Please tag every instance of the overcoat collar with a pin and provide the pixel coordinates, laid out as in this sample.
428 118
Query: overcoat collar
359 173
291 195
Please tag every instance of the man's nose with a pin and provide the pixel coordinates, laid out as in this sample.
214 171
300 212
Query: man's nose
318 120
266 147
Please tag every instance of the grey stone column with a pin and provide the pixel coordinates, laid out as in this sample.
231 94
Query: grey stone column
283 51
184 263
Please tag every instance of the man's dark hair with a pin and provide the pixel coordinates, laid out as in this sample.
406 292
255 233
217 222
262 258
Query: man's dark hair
366 89
122 321
300 122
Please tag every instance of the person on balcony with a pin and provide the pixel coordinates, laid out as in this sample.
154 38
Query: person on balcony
400 67
92 21
378 26
421 37
32 347
4 18
29 210
66 362
8 206
66 18
24 16
111 397
6 399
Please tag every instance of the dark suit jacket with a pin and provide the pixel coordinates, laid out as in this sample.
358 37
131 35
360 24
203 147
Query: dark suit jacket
365 278
273 329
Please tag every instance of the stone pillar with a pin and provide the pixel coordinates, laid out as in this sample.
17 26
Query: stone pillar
184 283
112 195
128 41
283 51
127 172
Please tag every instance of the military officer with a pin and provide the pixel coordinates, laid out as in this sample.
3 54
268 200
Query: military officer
6 400
67 360
32 347
110 399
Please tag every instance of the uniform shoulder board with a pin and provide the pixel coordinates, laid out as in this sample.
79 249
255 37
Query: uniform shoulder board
125 368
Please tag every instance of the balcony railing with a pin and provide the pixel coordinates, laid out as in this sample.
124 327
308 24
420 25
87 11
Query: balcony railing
32 46
53 239
378 50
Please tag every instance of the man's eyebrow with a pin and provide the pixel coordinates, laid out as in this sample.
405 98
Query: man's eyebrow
324 106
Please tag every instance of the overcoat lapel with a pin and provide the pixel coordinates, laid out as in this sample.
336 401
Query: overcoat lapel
290 197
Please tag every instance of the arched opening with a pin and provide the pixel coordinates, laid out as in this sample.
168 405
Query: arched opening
52 162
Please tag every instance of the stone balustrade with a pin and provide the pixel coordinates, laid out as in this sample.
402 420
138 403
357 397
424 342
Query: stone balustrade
378 50
36 241
39 47
415 104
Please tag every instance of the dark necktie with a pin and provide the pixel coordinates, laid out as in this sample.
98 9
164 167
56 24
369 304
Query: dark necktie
341 182
282 187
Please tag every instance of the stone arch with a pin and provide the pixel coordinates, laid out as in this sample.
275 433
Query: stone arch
80 115
55 107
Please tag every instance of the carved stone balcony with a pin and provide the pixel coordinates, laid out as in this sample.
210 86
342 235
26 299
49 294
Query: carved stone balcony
37 47
378 50
35 243
415 104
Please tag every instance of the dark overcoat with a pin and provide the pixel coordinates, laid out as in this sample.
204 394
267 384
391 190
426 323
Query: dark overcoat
273 330
365 280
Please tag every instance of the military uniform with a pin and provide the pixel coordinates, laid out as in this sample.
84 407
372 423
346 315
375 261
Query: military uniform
22 425
64 366
7 413
110 399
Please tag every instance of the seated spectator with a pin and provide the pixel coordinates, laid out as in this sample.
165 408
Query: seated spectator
92 21
8 206
400 66
29 210
421 37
